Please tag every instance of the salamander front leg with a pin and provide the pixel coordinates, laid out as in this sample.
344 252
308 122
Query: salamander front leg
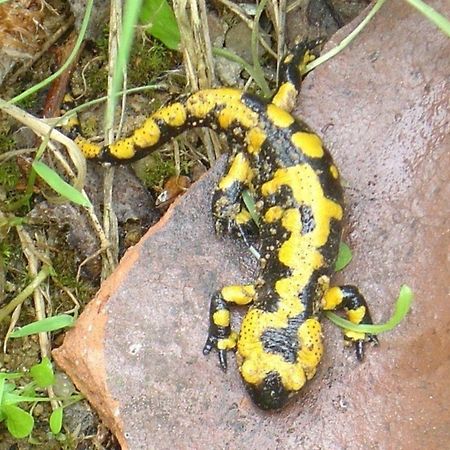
220 336
352 301
227 211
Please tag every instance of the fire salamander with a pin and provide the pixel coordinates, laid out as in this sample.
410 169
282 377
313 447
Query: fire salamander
299 199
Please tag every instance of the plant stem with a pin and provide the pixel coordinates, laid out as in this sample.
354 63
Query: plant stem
9 308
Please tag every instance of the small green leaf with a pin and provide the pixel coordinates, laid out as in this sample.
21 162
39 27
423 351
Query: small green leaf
402 305
160 20
249 203
59 185
344 257
45 325
20 423
56 420
42 373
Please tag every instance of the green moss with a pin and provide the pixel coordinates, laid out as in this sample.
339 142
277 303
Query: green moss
9 175
154 169
65 267
7 143
148 60
28 103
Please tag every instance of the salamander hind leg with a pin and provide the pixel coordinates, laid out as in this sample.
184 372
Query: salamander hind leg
220 335
228 213
292 69
352 301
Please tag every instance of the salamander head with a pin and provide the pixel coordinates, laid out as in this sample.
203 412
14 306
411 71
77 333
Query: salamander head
276 363
270 394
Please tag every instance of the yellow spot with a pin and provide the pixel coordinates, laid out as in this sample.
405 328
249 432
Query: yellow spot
288 58
285 96
273 214
89 149
311 347
226 102
243 217
356 315
238 294
251 372
307 58
239 171
334 172
255 138
309 143
332 298
279 117
147 135
201 103
292 220
174 115
221 318
123 149
354 335
71 122
237 113
228 343
288 289
68 98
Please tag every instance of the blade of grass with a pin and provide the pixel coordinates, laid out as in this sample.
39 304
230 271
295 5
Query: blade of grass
249 203
59 185
334 51
402 305
130 18
45 325
432 15
40 277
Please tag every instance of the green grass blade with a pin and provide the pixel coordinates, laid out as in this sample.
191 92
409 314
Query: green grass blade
249 203
346 41
44 326
130 18
59 185
432 15
402 306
